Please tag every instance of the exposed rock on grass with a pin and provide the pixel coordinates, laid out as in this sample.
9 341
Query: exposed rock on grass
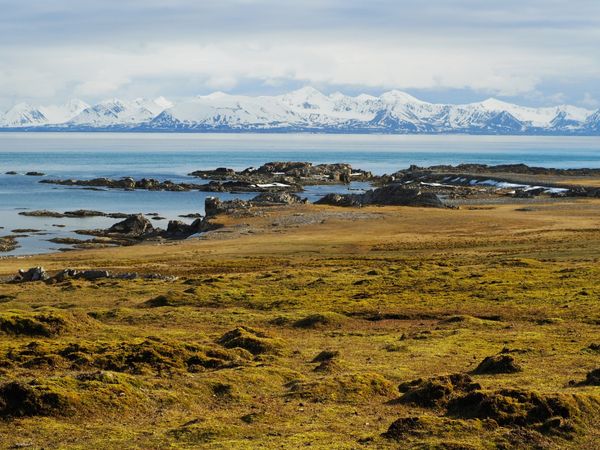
18 399
436 391
40 274
498 364
254 341
32 274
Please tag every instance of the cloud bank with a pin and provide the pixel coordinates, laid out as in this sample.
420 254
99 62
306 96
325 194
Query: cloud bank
530 51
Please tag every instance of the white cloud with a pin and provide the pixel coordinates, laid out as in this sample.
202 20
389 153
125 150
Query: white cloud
526 48
98 72
589 101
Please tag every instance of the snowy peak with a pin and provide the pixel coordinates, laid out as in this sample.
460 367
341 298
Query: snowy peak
306 109
23 115
63 113
115 112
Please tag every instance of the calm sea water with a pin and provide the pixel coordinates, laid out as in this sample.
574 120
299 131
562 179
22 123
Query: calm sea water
172 156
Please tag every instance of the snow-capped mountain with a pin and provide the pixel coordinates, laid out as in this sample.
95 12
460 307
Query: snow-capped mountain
306 109
63 113
23 114
115 112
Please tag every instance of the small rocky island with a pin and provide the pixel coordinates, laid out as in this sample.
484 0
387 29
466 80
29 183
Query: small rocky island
272 176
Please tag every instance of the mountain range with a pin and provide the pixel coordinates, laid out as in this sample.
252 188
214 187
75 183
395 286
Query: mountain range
304 110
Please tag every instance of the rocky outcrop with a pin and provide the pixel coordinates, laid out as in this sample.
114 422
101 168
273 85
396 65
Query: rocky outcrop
76 213
40 274
152 184
214 206
505 168
32 274
392 195
515 180
277 198
176 229
135 226
289 172
8 243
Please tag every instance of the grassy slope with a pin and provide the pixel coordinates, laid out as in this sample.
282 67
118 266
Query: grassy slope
526 280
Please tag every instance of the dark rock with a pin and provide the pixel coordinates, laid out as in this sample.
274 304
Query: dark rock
392 195
35 174
177 228
32 274
136 225
91 275
11 172
277 198
41 213
291 173
214 206
498 364
84 213
8 243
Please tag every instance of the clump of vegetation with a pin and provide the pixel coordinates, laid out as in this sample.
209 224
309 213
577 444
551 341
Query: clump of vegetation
147 356
404 426
169 299
20 324
498 364
250 339
321 320
347 387
436 391
512 407
592 378
18 399
326 355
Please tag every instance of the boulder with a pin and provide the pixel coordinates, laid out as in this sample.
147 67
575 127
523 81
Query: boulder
136 225
32 274
214 206
277 198
177 228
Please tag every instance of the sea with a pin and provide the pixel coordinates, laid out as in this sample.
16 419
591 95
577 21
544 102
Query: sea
173 156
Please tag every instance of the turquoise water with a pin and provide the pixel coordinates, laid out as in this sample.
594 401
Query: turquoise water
172 156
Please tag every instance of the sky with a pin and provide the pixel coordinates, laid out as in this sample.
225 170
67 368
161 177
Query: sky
531 52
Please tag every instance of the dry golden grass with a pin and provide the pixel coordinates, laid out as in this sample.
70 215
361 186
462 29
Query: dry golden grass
400 293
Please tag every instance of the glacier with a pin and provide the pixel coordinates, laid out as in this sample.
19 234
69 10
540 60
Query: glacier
304 110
